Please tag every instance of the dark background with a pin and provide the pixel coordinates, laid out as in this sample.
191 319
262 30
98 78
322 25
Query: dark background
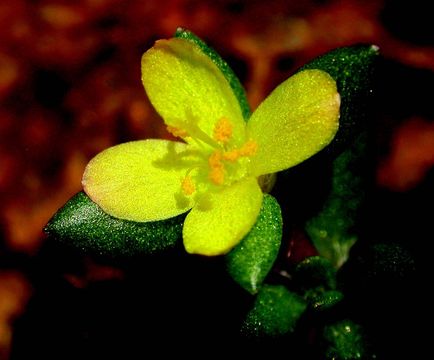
70 87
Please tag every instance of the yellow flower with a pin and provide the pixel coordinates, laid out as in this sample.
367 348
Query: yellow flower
214 171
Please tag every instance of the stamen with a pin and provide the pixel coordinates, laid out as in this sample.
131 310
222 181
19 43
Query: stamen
187 185
176 131
217 169
215 160
217 176
195 132
249 148
232 155
223 130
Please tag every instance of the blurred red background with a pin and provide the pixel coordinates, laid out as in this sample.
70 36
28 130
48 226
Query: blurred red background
70 87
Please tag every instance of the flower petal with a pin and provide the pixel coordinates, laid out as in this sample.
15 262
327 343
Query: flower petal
219 221
226 70
299 118
188 89
139 180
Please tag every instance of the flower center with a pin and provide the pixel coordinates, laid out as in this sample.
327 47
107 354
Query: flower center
221 162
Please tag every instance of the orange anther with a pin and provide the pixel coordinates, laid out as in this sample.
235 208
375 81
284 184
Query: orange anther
217 170
187 185
217 176
223 130
176 131
215 160
249 148
232 155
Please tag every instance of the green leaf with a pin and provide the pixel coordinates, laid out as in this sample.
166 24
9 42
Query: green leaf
83 224
314 272
332 230
315 279
353 70
321 301
229 74
275 313
345 341
251 260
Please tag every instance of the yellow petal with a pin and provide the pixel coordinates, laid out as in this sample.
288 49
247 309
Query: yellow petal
299 118
139 180
220 220
188 90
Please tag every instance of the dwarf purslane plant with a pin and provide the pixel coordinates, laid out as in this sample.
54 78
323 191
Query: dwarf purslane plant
210 187
216 171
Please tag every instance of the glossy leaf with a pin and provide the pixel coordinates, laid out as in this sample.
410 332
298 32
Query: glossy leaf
275 313
315 272
332 230
345 340
84 225
323 300
251 260
315 279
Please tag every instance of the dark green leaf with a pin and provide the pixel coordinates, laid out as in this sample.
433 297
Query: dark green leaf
332 230
314 272
275 313
323 300
345 341
353 70
251 260
83 224
315 279
230 76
